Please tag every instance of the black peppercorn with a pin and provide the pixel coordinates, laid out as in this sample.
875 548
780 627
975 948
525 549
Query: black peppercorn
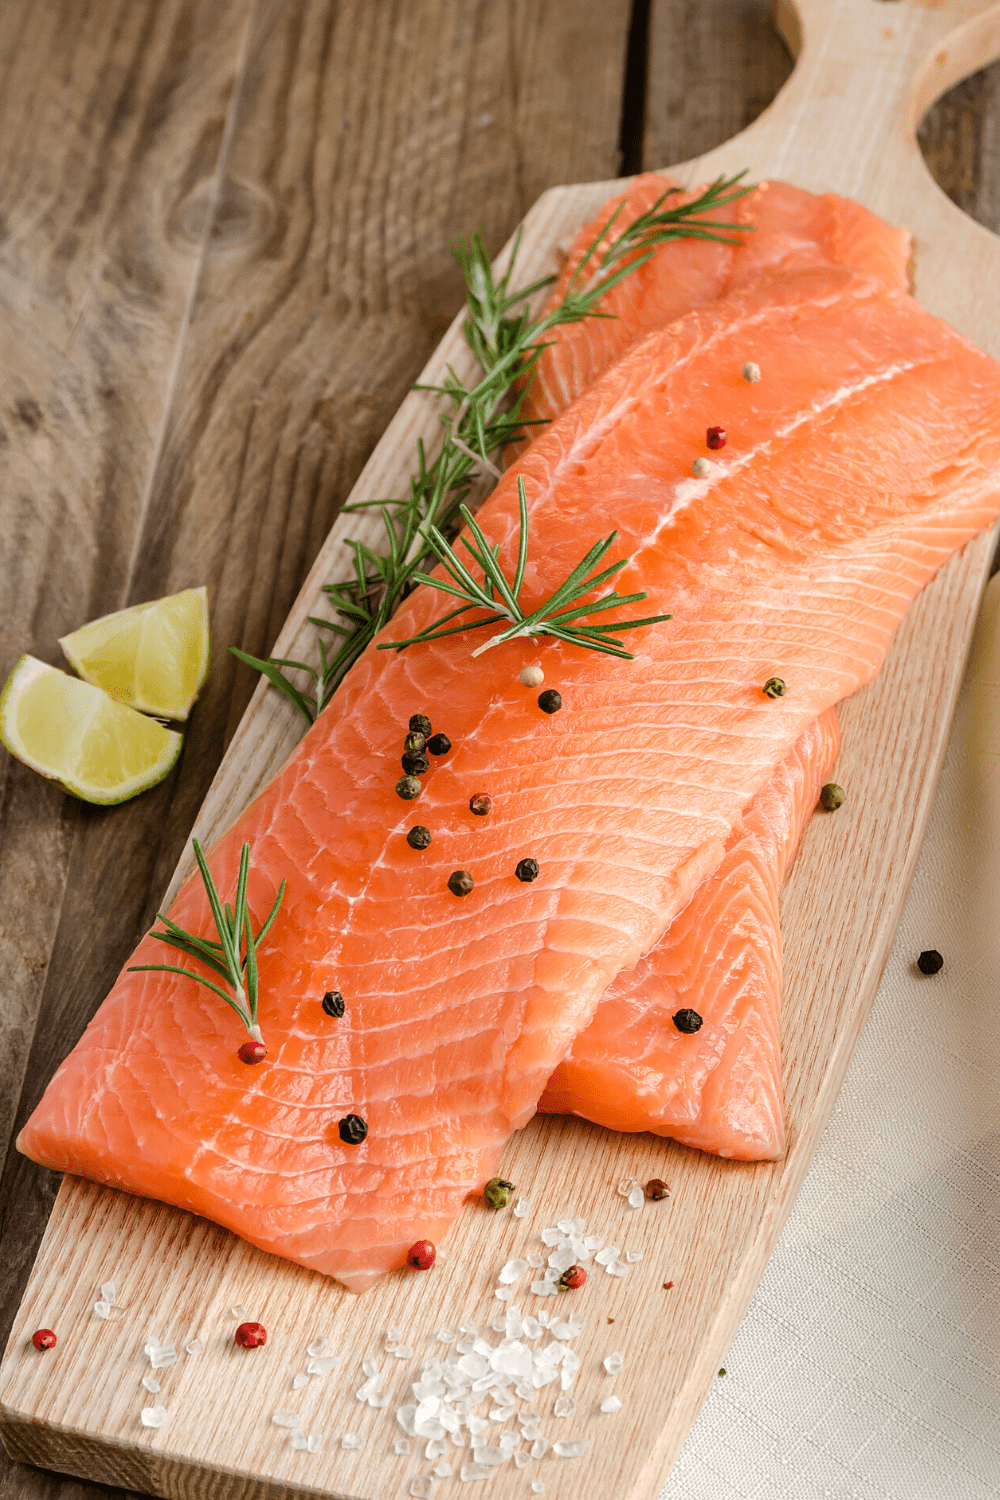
333 1003
415 763
527 870
930 961
687 1021
774 688
460 882
480 804
550 702
439 744
352 1130
418 837
420 724
416 743
408 787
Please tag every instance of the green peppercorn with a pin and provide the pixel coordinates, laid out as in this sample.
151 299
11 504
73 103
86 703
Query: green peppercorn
420 724
460 882
832 796
526 870
418 837
687 1021
774 688
333 1003
550 702
498 1193
408 787
415 763
416 743
439 744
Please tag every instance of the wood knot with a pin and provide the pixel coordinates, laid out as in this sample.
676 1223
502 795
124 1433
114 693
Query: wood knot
242 217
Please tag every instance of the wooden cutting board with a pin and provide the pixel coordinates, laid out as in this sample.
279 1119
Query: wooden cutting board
846 120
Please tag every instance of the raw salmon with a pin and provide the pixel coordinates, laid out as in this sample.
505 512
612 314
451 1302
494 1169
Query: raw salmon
787 229
868 452
719 1089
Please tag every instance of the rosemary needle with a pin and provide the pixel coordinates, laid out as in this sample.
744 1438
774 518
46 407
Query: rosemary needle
480 420
558 616
233 958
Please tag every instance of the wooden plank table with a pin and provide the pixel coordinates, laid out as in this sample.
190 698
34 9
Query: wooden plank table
222 259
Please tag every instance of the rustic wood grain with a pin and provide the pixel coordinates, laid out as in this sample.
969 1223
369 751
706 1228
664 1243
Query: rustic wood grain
113 118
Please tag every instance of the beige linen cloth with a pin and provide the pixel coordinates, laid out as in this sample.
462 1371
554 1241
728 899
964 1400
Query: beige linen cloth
868 1364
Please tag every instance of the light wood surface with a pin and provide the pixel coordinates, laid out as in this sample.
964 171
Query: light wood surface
845 120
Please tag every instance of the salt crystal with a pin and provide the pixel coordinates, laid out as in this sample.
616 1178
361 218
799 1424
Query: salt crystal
299 1440
543 1318
443 1470
571 1447
405 1416
284 1419
491 1456
313 1441
607 1255
240 1313
401 1446
617 1268
421 1486
330 1362
565 1406
102 1309
613 1403
195 1346
636 1197
536 1259
626 1187
633 1256
550 1273
566 1330
551 1236
153 1416
529 1414
476 1425
151 1385
522 1207
435 1448
369 1366
525 1390
501 1413
614 1363
593 1242
532 1329
504 1293
165 1356
509 1440
403 1351
474 1471
540 1447
469 1328
378 1402
317 1347
543 1288
513 1326
299 1381
566 1226
445 1335
108 1293
537 1486
394 1335
522 1458
562 1258
352 1440
512 1271
530 1431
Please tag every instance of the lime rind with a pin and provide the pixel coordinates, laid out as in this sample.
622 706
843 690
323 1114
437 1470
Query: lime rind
77 736
153 657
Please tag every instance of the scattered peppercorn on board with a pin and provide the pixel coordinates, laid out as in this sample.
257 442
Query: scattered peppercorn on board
845 121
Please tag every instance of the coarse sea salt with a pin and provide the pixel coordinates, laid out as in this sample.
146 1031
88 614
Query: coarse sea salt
537 1486
325 1364
606 1256
420 1487
401 1446
299 1381
611 1404
352 1440
299 1440
102 1309
613 1363
313 1441
151 1385
565 1406
443 1470
239 1312
403 1351
317 1347
165 1356
285 1419
540 1447
445 1335
522 1208
522 1458
490 1456
108 1293
633 1256
504 1293
195 1346
625 1187
571 1447
512 1271
617 1268
153 1416
474 1471
636 1197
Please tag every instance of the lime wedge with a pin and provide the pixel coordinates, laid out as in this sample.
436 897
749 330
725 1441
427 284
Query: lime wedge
76 735
153 656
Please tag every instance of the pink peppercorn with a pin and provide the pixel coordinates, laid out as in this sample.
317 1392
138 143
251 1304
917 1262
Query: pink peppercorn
44 1339
251 1335
715 437
572 1278
252 1052
422 1255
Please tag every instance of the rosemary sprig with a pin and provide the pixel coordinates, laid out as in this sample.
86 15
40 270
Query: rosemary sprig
234 956
480 420
557 616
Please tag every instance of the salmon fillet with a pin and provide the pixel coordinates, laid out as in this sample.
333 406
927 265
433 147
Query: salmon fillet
720 1088
787 229
867 453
